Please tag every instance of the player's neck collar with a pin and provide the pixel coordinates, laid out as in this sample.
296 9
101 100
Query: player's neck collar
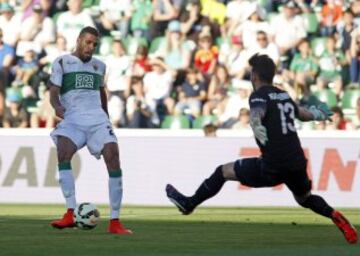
264 85
84 62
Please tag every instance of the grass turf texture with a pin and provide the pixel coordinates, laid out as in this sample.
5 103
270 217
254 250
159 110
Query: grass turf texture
25 230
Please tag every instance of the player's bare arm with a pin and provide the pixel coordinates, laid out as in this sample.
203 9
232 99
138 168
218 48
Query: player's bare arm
55 100
256 115
305 115
103 97
315 113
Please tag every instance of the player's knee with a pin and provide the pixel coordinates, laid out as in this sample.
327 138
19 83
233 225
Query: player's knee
228 171
110 151
302 200
64 156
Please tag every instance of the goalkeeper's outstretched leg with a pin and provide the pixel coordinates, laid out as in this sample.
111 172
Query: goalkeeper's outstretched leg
209 188
318 205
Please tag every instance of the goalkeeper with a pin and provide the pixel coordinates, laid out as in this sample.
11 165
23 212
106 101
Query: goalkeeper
272 116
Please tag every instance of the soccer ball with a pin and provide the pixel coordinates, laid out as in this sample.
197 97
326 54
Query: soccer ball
86 216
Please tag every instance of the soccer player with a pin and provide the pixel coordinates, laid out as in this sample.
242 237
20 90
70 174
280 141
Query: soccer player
77 94
272 114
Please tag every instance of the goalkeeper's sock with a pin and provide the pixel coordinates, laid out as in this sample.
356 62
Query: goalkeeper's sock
115 193
209 188
67 184
318 204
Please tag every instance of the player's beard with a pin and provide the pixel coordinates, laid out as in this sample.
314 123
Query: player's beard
86 57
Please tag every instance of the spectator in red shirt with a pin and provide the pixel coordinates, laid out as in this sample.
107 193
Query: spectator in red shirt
206 55
141 63
331 14
338 120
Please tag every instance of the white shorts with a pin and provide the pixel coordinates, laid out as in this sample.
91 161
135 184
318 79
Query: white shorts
94 136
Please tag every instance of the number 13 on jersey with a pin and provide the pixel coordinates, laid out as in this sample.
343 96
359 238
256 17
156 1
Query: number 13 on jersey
287 117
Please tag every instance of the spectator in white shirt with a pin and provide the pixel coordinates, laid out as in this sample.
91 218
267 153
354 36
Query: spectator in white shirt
237 101
38 28
118 81
157 87
243 122
137 111
253 23
118 71
264 46
53 51
236 9
235 13
237 60
288 29
115 15
10 23
71 22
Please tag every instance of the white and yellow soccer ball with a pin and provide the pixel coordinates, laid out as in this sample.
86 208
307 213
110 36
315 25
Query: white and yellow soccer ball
86 216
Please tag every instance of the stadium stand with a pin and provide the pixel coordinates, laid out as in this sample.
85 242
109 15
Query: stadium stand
231 28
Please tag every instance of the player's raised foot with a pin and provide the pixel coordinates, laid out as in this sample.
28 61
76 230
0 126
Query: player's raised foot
180 201
67 220
116 227
345 227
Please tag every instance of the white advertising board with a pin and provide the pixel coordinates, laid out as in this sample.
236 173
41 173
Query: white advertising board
151 159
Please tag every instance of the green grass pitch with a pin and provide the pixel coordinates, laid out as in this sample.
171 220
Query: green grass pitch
25 230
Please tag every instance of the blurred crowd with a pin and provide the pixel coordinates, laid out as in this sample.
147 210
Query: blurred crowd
184 63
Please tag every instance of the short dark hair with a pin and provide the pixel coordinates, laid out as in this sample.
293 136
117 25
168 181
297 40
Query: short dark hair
244 111
349 11
263 66
338 110
89 30
142 50
303 41
261 32
210 128
191 70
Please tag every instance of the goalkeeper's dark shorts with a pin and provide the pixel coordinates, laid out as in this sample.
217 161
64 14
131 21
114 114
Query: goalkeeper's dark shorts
254 172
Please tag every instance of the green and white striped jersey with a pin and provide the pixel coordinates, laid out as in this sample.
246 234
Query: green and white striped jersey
80 84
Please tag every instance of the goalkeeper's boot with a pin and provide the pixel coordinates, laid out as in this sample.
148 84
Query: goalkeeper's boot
181 202
345 227
116 227
67 220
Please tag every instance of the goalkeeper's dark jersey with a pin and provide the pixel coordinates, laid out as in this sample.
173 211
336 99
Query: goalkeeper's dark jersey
283 149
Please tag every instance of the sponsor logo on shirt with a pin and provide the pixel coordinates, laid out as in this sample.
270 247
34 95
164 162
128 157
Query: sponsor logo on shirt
84 81
279 96
257 100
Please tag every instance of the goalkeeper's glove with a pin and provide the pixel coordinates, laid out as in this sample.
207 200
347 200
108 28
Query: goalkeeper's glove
260 133
321 112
